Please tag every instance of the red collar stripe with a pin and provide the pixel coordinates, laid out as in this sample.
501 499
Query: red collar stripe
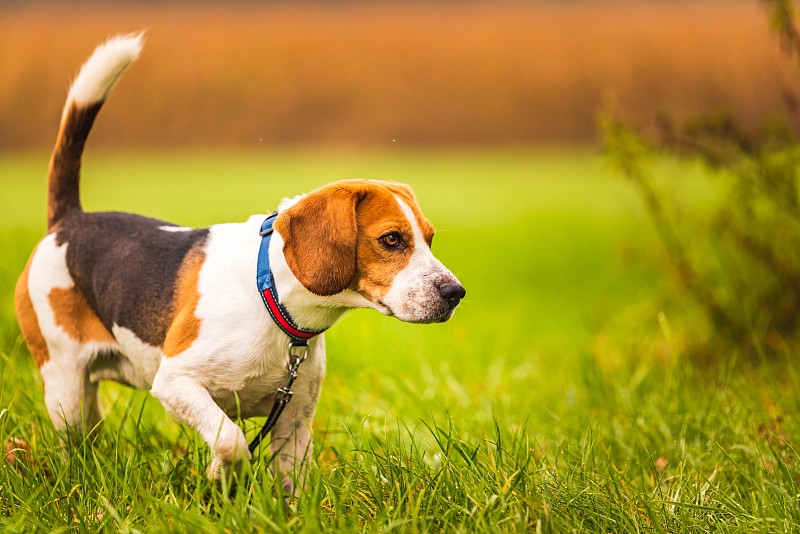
282 322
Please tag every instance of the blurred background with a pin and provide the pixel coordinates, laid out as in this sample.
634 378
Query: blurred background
509 108
421 73
632 315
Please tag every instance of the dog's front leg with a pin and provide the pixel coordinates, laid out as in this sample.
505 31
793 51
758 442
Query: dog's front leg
192 404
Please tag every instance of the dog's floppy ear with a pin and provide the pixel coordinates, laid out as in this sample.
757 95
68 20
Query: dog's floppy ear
319 239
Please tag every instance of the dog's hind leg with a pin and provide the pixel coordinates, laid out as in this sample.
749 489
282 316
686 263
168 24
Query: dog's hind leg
292 447
64 335
70 397
290 439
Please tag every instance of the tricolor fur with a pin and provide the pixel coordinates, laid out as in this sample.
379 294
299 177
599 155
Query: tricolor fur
117 296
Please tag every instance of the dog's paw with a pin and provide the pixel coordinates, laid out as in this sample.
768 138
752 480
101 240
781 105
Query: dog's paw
217 469
288 487
231 450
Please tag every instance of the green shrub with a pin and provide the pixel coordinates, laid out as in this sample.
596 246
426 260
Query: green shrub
736 251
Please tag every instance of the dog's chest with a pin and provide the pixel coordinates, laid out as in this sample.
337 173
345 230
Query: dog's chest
252 398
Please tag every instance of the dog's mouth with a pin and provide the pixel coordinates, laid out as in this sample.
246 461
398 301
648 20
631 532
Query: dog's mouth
442 318
438 314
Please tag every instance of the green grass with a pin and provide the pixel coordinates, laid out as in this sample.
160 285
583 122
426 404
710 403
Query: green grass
558 399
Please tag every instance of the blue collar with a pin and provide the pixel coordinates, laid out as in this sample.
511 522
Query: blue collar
266 288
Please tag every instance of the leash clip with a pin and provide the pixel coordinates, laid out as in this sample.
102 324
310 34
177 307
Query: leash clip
284 395
298 356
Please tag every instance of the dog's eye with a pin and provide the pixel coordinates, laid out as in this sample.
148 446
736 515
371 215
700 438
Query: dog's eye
391 240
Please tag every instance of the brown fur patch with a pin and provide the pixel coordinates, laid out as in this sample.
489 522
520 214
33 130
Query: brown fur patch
319 234
186 325
28 321
405 193
379 214
332 236
74 315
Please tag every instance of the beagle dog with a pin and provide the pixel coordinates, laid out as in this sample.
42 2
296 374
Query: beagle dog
179 311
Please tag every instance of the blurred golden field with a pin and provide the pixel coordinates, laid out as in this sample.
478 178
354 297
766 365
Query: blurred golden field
381 73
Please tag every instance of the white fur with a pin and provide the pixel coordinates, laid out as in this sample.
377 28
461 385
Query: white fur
144 359
102 70
175 228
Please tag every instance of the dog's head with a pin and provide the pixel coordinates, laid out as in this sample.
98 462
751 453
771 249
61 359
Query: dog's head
370 237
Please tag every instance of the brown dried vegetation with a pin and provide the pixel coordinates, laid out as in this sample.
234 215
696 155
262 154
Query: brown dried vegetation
373 73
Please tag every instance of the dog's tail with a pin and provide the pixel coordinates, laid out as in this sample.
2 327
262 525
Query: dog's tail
86 95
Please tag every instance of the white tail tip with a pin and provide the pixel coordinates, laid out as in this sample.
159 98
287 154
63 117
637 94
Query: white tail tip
101 71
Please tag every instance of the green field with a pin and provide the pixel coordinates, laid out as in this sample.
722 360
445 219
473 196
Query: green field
558 399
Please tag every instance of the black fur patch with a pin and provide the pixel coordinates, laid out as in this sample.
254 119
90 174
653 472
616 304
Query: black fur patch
127 268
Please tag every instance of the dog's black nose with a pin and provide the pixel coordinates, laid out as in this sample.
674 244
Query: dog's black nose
452 293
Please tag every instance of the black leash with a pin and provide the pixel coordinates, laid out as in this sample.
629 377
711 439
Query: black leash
283 395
